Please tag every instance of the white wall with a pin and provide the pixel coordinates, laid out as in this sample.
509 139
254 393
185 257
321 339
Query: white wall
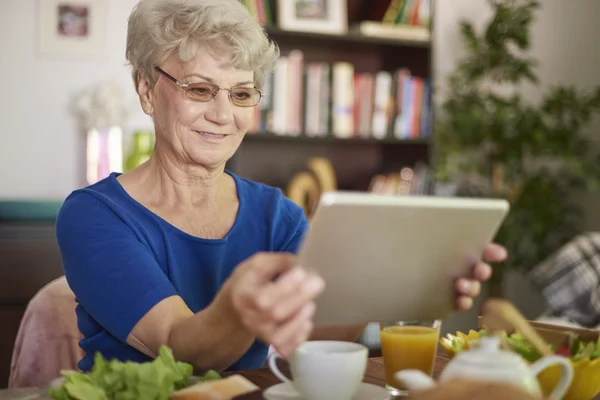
41 149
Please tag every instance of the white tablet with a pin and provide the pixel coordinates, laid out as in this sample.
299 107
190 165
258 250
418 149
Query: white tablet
386 257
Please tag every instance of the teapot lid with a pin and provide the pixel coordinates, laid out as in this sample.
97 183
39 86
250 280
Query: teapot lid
489 354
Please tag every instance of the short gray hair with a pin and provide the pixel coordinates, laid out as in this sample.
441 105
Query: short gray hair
159 28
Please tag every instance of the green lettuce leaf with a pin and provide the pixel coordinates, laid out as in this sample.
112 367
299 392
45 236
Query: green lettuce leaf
116 380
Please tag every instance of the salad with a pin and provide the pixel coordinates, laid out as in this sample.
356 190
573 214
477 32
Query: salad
116 380
576 349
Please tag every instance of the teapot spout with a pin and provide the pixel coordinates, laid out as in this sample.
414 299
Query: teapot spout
413 379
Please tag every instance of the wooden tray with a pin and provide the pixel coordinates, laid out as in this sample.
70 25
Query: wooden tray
558 334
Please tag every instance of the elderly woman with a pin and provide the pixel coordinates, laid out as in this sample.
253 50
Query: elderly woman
179 251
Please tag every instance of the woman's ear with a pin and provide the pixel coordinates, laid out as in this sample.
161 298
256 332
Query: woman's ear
146 96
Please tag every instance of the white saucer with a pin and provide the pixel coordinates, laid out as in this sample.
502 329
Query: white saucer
285 391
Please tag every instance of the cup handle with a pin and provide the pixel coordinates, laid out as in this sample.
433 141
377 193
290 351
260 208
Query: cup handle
566 374
273 367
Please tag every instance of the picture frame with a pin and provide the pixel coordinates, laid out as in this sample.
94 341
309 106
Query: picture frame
72 28
323 16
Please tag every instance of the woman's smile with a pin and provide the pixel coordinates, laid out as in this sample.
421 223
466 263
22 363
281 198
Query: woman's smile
212 137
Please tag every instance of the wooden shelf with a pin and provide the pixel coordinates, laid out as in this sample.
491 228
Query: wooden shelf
274 158
302 138
351 37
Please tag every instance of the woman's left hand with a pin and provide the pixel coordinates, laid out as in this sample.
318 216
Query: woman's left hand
470 287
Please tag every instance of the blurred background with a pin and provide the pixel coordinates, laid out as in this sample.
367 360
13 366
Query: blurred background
475 97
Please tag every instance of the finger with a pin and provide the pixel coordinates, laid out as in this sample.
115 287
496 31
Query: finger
278 301
482 272
255 324
264 267
494 253
287 283
467 287
258 271
303 335
289 302
464 303
284 297
291 334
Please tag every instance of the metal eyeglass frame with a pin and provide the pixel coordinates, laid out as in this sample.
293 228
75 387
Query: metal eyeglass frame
185 86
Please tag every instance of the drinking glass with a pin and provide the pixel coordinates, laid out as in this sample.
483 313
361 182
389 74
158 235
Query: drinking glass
408 345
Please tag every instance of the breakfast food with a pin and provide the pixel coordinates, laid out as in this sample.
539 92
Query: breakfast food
575 348
472 390
501 315
221 389
583 354
531 340
118 380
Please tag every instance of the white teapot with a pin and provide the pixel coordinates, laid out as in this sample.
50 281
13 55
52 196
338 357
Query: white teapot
489 362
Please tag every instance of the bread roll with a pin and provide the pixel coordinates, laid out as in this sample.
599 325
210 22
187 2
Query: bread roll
473 390
220 389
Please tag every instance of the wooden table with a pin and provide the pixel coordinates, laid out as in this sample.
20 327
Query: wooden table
375 375
261 377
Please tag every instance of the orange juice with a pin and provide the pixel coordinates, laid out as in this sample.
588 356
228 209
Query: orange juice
408 347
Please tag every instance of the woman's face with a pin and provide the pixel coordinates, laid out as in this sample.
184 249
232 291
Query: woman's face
208 133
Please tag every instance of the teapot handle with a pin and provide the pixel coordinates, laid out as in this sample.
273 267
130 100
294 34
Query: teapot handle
566 374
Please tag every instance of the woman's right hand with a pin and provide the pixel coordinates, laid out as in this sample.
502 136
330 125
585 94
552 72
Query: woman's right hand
274 299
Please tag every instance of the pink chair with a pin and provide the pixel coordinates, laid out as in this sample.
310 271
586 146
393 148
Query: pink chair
48 337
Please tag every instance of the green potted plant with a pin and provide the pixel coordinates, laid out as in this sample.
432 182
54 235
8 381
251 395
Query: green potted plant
491 142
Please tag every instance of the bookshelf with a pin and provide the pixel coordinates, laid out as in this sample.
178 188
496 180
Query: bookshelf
273 156
353 36
302 137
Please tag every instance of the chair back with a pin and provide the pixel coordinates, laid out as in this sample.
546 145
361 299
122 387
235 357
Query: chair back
48 338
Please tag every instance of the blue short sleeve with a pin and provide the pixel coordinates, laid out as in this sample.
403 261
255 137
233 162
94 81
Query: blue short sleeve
295 241
115 275
297 219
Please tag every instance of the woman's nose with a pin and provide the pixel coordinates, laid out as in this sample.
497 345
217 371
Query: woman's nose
221 111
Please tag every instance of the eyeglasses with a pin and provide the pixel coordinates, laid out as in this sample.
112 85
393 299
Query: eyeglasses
204 91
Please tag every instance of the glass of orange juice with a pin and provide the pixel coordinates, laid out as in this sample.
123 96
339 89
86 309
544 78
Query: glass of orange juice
408 345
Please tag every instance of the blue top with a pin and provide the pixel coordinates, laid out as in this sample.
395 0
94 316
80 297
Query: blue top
121 259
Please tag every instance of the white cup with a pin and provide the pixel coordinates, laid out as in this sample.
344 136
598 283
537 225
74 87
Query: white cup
326 369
